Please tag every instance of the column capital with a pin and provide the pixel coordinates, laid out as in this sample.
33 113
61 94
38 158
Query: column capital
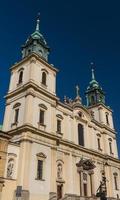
80 169
90 172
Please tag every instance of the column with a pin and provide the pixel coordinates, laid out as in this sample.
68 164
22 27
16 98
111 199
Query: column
24 169
1 186
91 173
53 189
80 170
28 109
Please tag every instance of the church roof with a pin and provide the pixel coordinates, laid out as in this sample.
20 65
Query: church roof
36 35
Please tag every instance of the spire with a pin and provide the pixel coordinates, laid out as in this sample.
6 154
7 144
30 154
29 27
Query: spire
93 75
38 23
36 43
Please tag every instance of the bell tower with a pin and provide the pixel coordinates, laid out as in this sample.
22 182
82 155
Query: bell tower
36 43
32 81
102 115
94 93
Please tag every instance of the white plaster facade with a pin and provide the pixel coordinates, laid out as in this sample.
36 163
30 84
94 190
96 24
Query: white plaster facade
30 138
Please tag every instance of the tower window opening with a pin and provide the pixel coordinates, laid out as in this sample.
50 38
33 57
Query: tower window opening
29 50
107 119
20 80
44 78
16 115
110 146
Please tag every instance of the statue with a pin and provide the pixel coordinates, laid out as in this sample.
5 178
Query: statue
102 190
10 169
59 171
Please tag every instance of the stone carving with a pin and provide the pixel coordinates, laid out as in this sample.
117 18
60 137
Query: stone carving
10 168
86 164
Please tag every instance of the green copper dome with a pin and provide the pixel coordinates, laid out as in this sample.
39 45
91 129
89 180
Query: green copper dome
94 93
37 44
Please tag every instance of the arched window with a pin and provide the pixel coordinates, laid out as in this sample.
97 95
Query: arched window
80 114
99 141
110 146
20 80
116 180
80 135
107 118
10 168
44 78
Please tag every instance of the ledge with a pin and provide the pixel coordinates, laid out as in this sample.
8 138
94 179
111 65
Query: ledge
54 137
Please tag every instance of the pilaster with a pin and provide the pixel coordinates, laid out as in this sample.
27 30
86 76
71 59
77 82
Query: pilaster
24 164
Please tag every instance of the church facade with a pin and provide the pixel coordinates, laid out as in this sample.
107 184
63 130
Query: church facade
57 150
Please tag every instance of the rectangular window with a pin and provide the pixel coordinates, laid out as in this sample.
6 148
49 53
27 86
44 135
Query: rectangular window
40 169
41 120
16 115
99 143
59 126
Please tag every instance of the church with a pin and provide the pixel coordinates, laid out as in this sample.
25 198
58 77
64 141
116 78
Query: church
49 149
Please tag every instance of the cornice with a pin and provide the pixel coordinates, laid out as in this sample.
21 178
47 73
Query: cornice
34 55
33 86
29 128
4 135
103 126
102 105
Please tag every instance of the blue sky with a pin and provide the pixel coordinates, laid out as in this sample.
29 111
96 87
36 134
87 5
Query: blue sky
78 32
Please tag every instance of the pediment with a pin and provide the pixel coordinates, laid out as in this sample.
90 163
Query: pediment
85 114
42 155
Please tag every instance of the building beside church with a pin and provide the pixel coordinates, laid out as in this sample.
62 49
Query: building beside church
58 150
